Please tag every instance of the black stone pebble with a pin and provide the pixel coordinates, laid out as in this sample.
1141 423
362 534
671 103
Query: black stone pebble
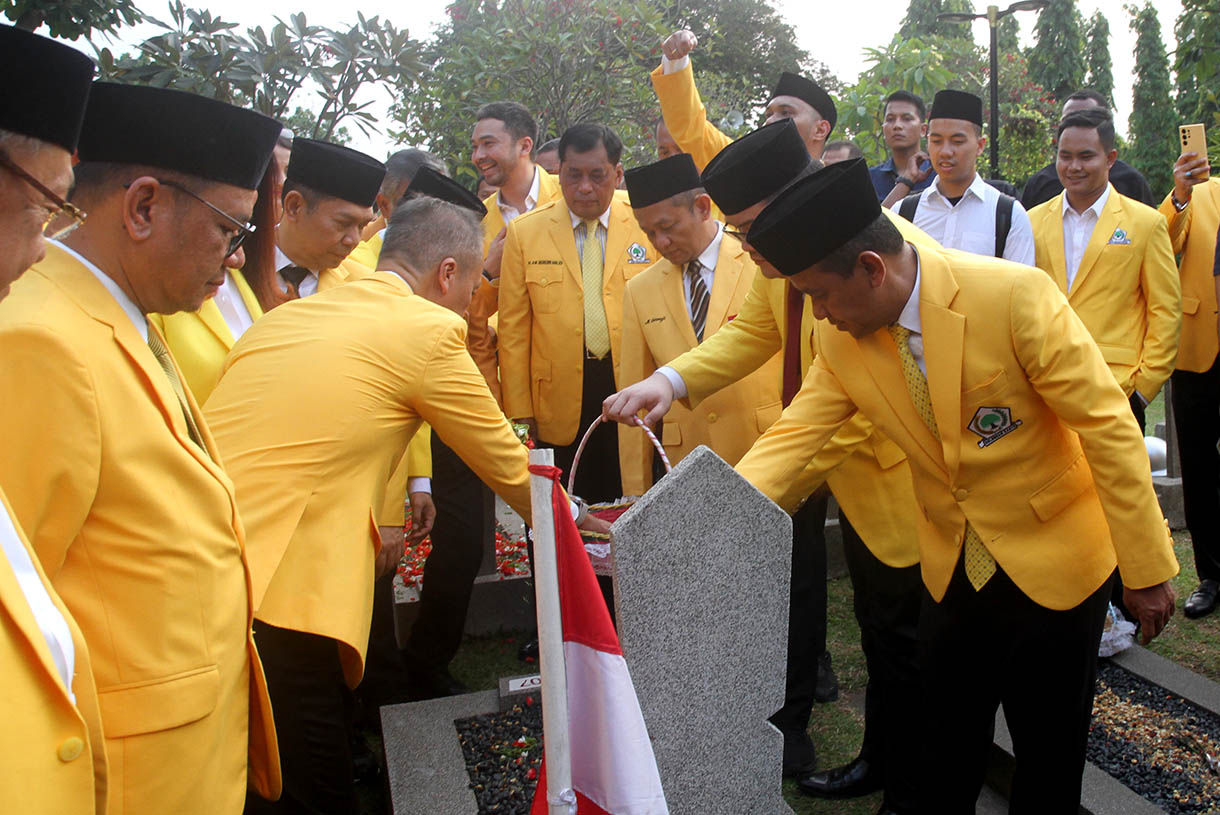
498 764
1163 762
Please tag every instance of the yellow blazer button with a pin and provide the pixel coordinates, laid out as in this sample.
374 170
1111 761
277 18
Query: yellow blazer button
71 749
545 281
957 539
961 495
711 417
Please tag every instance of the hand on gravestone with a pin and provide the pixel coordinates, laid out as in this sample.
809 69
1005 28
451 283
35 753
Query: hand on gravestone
1152 608
653 394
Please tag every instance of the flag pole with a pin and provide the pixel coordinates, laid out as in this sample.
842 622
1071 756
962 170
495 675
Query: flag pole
556 740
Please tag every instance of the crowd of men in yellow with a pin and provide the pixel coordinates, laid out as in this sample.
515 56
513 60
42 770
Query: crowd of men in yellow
221 371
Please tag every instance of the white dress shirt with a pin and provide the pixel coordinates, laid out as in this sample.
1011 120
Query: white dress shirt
970 224
707 262
129 308
910 320
309 285
1077 231
507 212
233 307
50 621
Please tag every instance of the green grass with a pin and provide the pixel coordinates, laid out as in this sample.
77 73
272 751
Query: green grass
838 727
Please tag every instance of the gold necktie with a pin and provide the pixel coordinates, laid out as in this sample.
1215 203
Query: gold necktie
980 565
167 365
597 331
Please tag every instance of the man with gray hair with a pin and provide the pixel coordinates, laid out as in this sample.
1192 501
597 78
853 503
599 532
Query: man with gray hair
400 169
391 349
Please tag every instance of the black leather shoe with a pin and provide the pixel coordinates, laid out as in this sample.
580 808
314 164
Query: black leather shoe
800 759
1203 600
827 687
849 781
528 651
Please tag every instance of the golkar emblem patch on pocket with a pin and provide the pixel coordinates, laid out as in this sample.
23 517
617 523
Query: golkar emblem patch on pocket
992 424
637 254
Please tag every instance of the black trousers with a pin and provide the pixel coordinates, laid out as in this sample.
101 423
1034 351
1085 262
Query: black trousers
598 478
1196 409
464 507
385 672
1137 410
806 615
309 698
887 602
979 650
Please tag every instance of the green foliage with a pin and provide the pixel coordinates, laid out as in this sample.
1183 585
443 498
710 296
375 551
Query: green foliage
1056 62
1197 61
579 60
266 69
1153 123
1097 56
920 19
303 121
1008 35
1028 117
71 19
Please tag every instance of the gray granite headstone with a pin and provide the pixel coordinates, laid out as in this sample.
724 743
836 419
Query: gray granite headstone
702 565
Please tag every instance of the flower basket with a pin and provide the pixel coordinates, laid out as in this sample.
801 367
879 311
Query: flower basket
597 545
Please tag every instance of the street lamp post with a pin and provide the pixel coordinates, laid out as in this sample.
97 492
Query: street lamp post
993 17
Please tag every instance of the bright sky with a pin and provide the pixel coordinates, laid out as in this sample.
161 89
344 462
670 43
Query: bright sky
831 32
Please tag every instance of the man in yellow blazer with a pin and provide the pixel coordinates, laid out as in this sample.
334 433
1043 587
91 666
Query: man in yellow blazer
560 344
328 201
52 758
112 471
1193 211
1111 256
502 148
795 97
309 482
696 288
1030 474
872 487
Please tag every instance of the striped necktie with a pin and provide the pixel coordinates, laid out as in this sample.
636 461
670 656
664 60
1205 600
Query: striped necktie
698 297
167 365
597 330
980 565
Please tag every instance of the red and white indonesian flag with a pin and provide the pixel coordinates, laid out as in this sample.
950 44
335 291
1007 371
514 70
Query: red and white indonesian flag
613 768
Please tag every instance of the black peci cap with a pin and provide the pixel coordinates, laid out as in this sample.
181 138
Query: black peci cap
179 131
664 179
430 183
957 105
809 92
815 216
755 167
47 88
336 171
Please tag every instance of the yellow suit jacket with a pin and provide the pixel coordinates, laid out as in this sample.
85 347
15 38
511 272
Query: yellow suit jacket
350 269
872 482
686 117
369 249
542 328
1193 232
1126 291
200 340
1038 449
486 302
137 528
657 329
314 409
51 752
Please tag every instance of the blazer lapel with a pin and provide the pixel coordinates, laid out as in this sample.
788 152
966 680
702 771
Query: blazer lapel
13 600
724 286
943 337
564 237
1111 214
247 295
1053 222
879 356
674 292
209 314
616 243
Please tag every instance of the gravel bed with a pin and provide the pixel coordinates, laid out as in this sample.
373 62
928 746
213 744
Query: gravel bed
1158 744
502 752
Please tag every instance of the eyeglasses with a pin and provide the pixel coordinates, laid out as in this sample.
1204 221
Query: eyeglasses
59 207
740 234
244 230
